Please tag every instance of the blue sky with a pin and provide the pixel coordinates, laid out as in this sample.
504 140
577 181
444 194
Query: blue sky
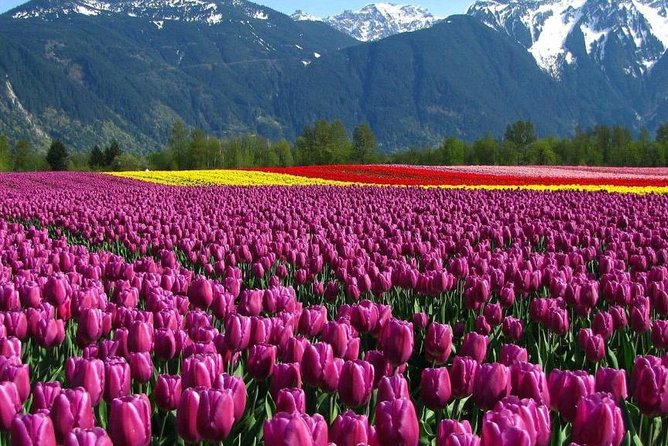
324 8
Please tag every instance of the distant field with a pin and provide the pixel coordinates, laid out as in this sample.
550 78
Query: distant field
611 179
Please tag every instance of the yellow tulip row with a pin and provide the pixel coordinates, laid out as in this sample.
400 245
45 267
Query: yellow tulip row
226 178
254 178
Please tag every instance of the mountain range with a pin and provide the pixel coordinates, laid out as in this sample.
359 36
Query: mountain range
87 71
377 21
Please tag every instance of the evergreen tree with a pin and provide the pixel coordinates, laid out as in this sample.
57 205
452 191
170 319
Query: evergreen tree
97 159
662 133
365 148
111 153
57 156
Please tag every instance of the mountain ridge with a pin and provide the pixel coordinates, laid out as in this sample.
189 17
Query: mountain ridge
376 21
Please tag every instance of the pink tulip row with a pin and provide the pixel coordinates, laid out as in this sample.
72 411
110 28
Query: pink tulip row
574 172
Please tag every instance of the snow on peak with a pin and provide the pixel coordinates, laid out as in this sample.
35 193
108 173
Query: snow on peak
377 21
550 29
157 11
301 16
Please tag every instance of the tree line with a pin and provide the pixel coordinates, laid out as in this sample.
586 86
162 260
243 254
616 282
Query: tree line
326 143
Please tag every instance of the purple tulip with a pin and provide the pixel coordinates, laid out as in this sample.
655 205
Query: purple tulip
598 421
72 408
512 328
317 364
10 404
392 388
88 437
397 423
285 376
649 384
312 321
450 428
200 293
237 332
50 332
237 388
350 429
32 430
511 354
43 395
261 361
86 373
612 381
286 429
462 376
438 343
435 390
130 421
356 383
90 327
215 414
19 374
167 392
164 344
474 346
492 384
117 378
529 381
396 341
291 400
141 366
566 389
660 334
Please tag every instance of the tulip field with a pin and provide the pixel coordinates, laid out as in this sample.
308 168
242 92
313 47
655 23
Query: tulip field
345 305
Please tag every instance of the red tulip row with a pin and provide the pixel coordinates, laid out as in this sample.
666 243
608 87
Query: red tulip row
399 175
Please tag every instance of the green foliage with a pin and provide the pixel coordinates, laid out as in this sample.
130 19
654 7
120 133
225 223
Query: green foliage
96 159
57 156
365 147
111 153
5 154
24 157
323 143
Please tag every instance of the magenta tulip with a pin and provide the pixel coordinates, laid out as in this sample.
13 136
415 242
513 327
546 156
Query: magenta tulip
438 343
492 384
598 421
130 421
43 395
286 429
612 381
462 376
351 429
72 408
86 373
167 392
32 430
435 390
88 437
397 423
291 400
396 341
356 383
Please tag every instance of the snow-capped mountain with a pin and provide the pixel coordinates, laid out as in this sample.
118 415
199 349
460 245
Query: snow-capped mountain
626 35
210 12
377 21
